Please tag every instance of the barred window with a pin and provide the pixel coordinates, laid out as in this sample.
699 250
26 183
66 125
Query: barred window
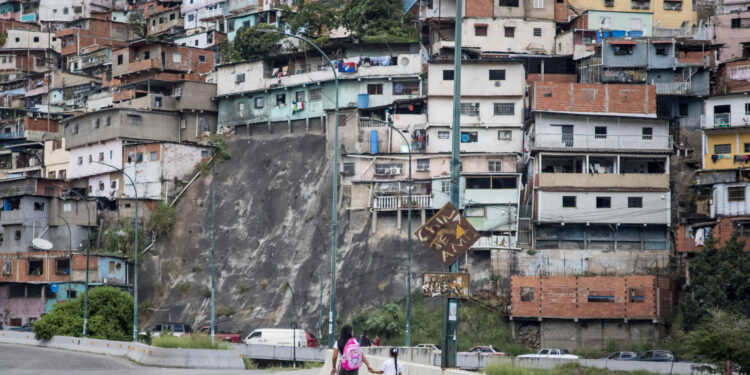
495 165
505 109
470 109
316 94
423 164
736 194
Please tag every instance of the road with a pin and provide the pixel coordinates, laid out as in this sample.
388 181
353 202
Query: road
28 360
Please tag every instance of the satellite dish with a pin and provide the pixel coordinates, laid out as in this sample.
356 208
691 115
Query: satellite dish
41 244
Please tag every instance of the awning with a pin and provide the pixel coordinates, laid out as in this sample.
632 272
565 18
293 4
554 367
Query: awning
662 41
623 42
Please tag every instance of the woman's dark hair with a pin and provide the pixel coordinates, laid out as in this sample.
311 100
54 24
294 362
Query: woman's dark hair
394 354
347 332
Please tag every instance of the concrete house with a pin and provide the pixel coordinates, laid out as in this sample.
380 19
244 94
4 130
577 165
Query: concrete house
205 15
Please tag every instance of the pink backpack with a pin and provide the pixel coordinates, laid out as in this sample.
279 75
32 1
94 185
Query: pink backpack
352 356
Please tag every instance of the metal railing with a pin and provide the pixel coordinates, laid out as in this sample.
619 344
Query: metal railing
673 87
601 141
366 122
395 202
739 73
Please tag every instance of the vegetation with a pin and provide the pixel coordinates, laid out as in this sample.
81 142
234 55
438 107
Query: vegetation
250 44
722 337
192 341
184 288
478 325
110 316
119 239
312 18
162 219
378 21
501 367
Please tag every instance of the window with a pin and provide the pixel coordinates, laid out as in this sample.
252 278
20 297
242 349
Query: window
635 202
600 132
495 165
470 109
101 156
635 23
299 96
490 182
538 4
38 206
661 51
119 59
623 49
504 135
157 101
280 99
96 123
723 149
480 30
91 158
80 160
423 164
375 89
75 128
172 17
537 31
736 194
153 155
260 102
111 266
201 58
510 32
469 137
134 120
239 78
72 294
444 134
601 297
673 5
736 23
569 201
448 75
191 17
497 74
603 202
316 94
36 267
508 3
637 295
445 186
36 39
65 10
405 87
747 108
147 55
17 291
108 121
241 108
683 110
348 169
640 4
647 133
61 266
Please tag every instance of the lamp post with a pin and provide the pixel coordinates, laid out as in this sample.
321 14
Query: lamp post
213 242
335 165
135 252
408 235
70 256
88 252
294 326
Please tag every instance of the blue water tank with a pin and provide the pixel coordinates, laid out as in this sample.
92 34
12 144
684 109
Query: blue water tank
363 100
373 141
635 33
618 33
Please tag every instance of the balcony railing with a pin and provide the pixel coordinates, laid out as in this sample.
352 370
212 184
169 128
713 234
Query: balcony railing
673 88
397 202
366 122
739 73
601 141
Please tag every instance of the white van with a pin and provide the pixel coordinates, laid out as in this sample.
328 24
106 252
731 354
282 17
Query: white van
277 336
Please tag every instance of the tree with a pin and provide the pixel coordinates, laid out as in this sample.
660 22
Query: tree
377 21
119 238
313 17
110 316
249 44
718 280
722 337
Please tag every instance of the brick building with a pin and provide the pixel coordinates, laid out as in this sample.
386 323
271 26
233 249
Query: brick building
575 312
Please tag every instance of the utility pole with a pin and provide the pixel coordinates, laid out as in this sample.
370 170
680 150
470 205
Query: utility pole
450 322
213 242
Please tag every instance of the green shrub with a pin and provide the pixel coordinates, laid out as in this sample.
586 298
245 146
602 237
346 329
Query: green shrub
162 219
193 341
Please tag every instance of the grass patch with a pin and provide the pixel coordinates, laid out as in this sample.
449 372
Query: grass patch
249 364
505 367
194 341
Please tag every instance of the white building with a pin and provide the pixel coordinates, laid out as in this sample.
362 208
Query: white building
204 14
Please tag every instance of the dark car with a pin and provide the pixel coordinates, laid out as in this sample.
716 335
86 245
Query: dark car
656 356
621 356
26 327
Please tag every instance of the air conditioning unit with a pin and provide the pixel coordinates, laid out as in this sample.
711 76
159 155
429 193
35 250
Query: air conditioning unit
395 170
183 124
498 84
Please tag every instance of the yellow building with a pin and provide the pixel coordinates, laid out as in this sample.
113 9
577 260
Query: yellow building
667 13
726 148
56 159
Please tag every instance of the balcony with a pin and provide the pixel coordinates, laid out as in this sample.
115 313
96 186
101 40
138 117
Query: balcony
140 66
739 73
399 202
602 142
604 180
722 120
674 88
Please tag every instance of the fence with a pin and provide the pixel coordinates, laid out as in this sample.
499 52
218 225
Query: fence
603 141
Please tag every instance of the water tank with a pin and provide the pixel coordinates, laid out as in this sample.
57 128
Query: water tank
363 100
373 141
635 33
618 33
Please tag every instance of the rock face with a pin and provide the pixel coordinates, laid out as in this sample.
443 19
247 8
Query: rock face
273 214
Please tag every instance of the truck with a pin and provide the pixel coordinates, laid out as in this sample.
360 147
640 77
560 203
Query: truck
222 335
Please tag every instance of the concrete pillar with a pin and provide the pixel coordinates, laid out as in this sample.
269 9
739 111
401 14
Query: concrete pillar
398 219
374 221
423 213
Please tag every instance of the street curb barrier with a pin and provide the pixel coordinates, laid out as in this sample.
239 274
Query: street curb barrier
140 353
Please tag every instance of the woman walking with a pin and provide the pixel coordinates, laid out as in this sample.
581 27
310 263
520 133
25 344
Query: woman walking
351 354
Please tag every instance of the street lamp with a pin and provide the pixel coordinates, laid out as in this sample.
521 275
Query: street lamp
294 326
88 252
135 252
213 243
408 234
334 212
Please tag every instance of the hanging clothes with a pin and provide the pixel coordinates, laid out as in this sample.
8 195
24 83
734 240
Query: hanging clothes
699 237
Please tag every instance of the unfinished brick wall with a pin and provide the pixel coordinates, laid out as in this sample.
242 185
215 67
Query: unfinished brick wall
721 232
594 97
21 261
596 297
555 78
480 8
41 124
561 11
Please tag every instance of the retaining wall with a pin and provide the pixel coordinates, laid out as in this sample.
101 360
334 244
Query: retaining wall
140 353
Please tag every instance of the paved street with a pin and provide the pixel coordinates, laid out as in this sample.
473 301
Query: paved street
28 360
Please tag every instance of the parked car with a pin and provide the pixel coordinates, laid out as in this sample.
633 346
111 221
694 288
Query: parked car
25 328
429 346
174 329
656 356
550 353
621 356
282 337
485 351
221 334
